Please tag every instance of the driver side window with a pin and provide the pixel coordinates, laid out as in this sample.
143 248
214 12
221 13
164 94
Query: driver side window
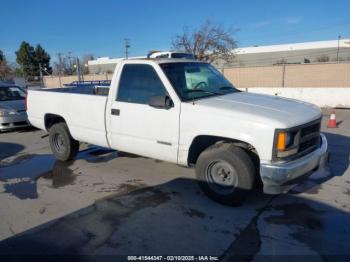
138 83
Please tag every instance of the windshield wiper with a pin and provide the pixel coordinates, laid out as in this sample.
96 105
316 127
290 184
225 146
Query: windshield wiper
226 88
202 91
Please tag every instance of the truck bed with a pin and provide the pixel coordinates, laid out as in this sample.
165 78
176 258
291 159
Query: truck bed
83 109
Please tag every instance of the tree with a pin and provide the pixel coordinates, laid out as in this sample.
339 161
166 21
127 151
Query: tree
26 60
209 42
66 64
84 61
42 59
30 60
322 59
2 57
5 69
281 61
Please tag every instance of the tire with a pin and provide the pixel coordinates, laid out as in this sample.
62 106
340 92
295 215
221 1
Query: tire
62 144
226 173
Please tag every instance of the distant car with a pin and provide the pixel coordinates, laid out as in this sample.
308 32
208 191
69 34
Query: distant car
12 107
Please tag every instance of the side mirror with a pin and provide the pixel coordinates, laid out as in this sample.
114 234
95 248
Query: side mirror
161 102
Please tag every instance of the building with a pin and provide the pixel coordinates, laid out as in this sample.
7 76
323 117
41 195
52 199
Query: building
103 65
298 53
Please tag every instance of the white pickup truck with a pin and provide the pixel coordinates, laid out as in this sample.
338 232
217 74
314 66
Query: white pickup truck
186 112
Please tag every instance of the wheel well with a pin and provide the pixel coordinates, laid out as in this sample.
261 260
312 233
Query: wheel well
51 119
201 143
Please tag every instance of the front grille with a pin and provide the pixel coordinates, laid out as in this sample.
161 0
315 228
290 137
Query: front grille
309 138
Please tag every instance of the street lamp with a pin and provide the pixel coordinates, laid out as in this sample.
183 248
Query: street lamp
77 67
339 37
127 46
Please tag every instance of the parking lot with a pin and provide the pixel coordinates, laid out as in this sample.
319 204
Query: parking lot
113 203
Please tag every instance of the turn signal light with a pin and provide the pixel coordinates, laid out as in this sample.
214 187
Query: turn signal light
281 141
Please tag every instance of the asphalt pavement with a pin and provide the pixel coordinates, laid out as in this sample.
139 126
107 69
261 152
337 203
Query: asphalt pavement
113 203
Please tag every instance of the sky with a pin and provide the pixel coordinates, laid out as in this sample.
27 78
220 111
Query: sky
99 27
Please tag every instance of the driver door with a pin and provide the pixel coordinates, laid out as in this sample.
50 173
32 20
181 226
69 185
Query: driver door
135 126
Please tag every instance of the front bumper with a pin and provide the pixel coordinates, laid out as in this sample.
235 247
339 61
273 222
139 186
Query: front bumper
13 121
279 178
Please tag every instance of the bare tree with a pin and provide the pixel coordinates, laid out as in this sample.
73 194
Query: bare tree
84 63
322 59
209 42
281 61
5 70
66 64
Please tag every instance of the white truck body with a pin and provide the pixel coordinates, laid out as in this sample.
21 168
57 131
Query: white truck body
168 134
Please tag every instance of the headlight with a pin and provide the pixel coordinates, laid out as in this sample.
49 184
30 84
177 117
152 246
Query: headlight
6 112
286 144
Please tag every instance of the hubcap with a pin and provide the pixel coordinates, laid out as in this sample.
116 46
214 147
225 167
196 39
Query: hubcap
222 177
58 142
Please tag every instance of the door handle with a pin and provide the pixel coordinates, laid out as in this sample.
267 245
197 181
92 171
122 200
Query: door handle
115 112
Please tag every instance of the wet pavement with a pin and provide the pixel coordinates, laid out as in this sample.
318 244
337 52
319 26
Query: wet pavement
113 203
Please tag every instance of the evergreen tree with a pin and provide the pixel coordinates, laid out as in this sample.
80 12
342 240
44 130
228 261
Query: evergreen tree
43 58
2 57
26 60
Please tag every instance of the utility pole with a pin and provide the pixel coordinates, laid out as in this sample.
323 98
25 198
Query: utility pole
59 67
78 68
339 37
126 46
41 74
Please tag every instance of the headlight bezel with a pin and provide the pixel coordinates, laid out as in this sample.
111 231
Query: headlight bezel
299 138
291 143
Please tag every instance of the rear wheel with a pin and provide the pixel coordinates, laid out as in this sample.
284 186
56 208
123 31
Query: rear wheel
226 173
62 144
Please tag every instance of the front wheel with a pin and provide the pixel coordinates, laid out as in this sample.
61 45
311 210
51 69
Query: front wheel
226 173
62 144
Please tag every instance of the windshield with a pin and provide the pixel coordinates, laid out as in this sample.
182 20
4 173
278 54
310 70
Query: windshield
8 93
196 80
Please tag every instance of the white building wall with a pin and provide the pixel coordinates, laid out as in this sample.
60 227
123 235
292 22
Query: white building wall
322 97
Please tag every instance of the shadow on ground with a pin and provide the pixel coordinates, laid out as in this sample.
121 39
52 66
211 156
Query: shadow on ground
20 174
9 149
176 218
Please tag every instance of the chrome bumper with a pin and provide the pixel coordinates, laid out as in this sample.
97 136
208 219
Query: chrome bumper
279 178
14 121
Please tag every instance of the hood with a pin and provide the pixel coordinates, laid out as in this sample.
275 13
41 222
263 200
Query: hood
263 109
15 105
